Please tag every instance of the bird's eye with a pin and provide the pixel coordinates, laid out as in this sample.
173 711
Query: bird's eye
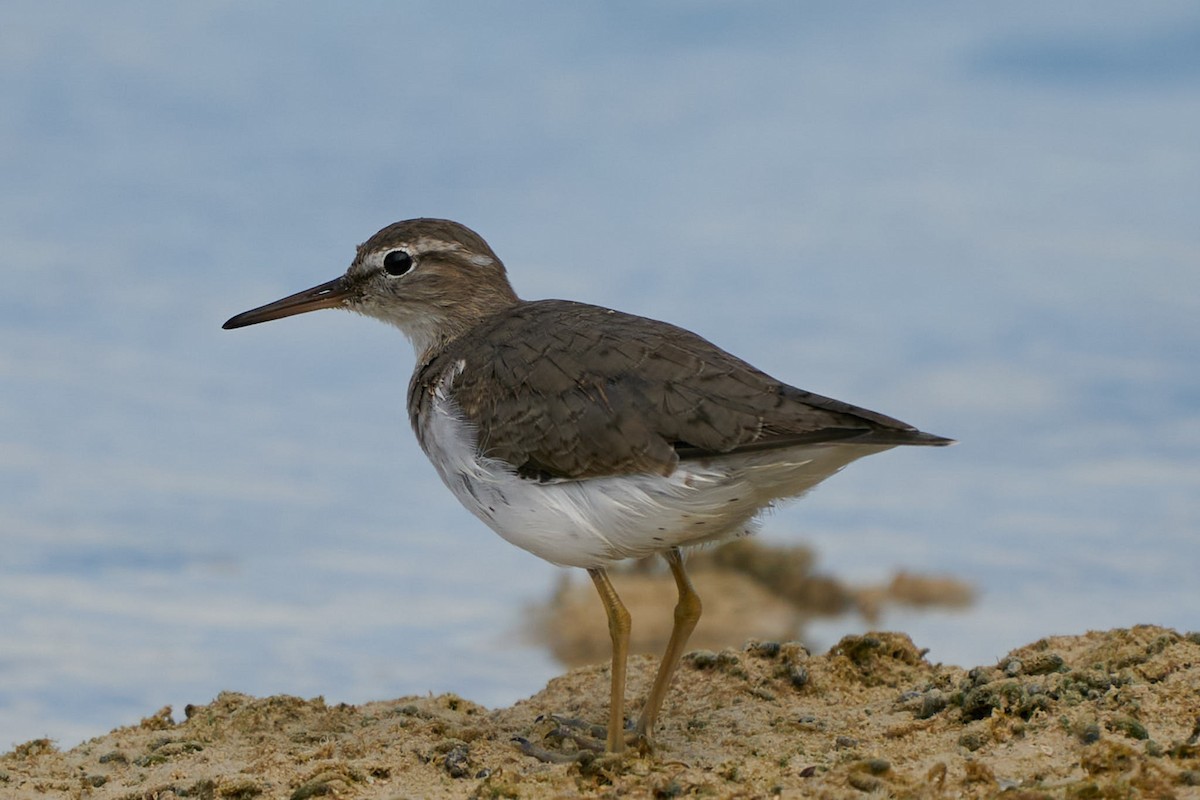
397 262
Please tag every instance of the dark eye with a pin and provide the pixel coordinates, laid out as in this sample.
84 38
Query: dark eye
397 263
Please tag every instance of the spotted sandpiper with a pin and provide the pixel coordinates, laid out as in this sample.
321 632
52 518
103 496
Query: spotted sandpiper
585 435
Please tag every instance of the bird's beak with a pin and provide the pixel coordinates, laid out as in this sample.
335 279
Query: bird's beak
328 295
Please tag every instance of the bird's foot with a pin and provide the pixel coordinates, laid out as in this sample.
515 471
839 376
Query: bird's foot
573 739
640 742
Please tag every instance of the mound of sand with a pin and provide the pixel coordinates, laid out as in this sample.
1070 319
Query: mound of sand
1113 714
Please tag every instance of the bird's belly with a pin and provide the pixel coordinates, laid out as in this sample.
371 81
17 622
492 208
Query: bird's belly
596 521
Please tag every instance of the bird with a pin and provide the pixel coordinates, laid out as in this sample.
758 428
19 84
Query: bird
585 435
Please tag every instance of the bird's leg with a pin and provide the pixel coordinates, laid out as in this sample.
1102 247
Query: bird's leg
618 629
687 613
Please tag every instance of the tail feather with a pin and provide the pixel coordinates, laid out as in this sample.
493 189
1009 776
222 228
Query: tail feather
879 437
902 437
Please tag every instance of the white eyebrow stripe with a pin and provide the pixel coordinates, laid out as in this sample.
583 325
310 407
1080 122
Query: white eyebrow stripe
427 244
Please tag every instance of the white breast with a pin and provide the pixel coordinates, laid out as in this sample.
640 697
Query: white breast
596 521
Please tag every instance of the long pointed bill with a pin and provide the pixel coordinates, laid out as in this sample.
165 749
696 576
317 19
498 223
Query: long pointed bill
328 295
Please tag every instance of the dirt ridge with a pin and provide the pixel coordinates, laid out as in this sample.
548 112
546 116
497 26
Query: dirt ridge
1104 714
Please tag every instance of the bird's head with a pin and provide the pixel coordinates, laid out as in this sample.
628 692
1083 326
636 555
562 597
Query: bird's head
432 278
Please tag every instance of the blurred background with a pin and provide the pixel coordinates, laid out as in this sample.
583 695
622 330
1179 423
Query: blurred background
981 220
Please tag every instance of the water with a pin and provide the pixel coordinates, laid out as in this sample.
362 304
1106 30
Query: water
981 222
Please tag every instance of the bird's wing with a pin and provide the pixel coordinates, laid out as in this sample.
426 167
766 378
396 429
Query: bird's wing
569 390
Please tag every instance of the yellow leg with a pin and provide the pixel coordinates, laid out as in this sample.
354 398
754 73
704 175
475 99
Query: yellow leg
687 613
618 629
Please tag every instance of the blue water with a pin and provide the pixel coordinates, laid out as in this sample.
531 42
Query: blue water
980 220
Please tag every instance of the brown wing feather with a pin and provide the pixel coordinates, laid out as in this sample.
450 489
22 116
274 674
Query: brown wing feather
569 390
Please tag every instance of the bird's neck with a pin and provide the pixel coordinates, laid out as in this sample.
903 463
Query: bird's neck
435 331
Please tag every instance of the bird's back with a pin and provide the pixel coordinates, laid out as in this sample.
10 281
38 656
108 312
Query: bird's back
565 390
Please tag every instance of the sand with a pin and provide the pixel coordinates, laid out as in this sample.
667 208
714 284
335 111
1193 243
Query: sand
1112 714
